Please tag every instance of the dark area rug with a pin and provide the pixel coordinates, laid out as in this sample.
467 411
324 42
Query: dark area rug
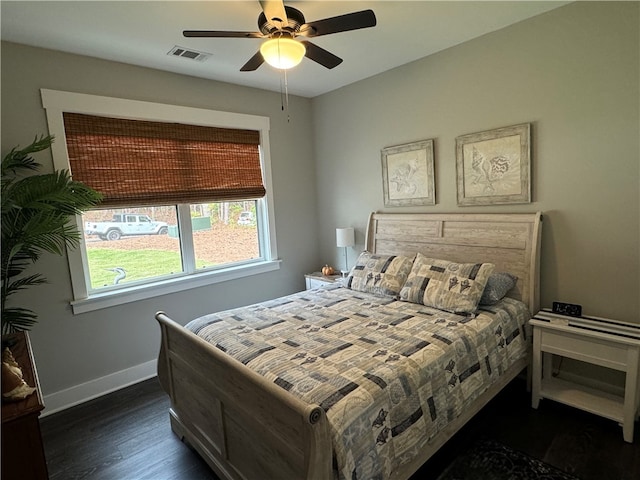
490 460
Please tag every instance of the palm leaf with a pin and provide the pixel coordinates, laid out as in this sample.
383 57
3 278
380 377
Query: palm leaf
16 319
53 191
18 160
25 282
35 219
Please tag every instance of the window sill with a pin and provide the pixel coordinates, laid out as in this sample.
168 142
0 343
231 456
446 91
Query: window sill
142 292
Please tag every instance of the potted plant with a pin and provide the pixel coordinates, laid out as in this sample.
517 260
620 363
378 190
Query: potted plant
36 210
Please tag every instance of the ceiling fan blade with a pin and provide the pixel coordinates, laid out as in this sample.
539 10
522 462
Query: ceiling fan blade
341 23
221 34
321 56
275 12
253 63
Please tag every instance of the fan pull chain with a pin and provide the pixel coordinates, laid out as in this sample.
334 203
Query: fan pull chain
284 94
284 101
281 94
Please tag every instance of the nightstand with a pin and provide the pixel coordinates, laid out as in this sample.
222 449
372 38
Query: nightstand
316 279
599 341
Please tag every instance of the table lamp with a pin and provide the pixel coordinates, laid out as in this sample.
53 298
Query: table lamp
345 237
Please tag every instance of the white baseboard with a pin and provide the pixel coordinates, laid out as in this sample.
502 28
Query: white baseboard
84 392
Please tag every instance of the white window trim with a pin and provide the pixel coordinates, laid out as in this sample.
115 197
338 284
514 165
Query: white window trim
56 102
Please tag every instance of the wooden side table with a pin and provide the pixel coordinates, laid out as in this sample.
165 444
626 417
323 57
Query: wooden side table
600 341
317 279
22 450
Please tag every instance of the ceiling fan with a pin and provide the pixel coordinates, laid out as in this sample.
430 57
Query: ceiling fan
282 25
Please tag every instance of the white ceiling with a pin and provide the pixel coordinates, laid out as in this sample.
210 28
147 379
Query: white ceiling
143 32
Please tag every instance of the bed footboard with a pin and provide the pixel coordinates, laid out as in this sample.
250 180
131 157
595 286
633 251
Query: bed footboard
244 426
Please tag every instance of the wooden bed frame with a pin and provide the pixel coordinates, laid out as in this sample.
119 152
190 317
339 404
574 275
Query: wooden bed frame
246 427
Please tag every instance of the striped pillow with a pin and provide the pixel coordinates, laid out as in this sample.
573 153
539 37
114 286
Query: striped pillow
379 274
454 287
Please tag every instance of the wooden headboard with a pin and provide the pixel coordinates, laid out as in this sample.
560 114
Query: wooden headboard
511 241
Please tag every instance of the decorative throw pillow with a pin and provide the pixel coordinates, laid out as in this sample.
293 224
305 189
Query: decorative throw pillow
454 287
379 274
498 285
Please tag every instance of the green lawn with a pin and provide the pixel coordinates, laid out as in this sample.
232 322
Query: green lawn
139 264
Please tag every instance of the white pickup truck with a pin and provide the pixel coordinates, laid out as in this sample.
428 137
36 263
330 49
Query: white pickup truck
126 224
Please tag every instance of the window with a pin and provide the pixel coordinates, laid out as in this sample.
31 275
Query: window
164 224
125 249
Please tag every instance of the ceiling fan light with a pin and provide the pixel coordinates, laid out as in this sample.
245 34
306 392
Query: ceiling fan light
282 53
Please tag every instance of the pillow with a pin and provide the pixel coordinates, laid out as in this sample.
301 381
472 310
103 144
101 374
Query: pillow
449 286
379 274
498 285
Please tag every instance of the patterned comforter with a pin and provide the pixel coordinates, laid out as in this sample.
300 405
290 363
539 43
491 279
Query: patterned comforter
389 374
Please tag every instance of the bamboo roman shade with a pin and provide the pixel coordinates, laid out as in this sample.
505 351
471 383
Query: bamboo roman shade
135 162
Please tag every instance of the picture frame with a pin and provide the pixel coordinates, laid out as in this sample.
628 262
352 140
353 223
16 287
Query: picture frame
494 167
408 174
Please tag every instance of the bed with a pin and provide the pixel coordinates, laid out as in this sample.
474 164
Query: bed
290 388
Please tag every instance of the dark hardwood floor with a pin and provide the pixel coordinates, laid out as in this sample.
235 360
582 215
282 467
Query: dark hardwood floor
126 436
122 436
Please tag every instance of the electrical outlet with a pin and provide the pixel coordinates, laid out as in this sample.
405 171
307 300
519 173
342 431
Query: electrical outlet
569 309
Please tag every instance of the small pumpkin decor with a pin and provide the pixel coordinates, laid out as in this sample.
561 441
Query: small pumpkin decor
327 270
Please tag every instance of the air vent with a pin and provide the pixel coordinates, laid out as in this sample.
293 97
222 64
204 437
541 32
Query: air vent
188 53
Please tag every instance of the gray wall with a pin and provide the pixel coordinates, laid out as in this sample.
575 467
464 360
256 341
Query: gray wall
573 74
74 349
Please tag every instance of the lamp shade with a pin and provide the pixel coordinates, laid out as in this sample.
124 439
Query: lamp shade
282 52
345 237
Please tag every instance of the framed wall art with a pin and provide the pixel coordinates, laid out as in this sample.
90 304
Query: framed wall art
407 174
494 167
